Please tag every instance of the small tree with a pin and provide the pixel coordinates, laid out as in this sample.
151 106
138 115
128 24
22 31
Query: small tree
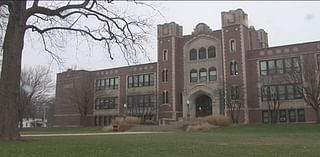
36 85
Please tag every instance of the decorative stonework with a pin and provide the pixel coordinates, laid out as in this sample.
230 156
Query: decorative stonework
106 73
134 69
140 68
278 51
318 46
145 67
269 52
295 49
261 53
151 67
116 71
286 50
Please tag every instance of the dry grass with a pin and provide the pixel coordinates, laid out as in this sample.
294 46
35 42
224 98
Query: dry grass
199 127
132 120
216 120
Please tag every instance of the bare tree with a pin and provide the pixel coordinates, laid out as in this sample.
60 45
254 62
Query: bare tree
81 97
270 96
50 20
36 85
309 80
233 102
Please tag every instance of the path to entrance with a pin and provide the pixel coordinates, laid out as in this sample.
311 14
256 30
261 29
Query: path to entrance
92 134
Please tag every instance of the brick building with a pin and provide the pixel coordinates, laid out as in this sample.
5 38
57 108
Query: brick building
197 75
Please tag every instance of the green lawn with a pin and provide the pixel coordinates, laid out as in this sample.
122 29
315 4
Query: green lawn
287 140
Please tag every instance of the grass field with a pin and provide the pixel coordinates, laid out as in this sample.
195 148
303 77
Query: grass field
287 140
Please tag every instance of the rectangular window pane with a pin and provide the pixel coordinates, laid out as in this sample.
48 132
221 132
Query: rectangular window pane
290 93
135 81
279 63
271 67
263 68
283 116
146 80
292 116
140 80
281 92
116 82
265 116
112 83
151 80
130 81
296 64
288 65
298 91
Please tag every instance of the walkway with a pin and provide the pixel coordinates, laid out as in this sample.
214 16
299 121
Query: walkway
92 134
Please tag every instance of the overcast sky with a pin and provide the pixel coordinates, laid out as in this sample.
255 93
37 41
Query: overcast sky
286 23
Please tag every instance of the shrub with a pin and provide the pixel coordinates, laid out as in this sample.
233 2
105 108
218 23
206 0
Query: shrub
198 127
132 120
217 120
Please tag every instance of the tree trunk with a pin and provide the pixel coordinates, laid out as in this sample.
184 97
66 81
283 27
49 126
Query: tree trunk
10 73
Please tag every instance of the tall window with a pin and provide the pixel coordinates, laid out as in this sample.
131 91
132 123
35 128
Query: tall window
232 45
235 93
234 68
106 103
211 52
165 99
202 53
212 74
165 75
165 55
193 54
263 68
203 74
193 75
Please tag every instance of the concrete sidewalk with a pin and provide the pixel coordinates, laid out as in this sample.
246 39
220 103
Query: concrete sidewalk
92 134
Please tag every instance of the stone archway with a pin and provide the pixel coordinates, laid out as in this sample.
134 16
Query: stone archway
203 106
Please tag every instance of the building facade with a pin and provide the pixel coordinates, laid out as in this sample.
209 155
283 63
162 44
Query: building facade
197 75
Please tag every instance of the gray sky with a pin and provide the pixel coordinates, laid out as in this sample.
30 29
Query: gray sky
286 23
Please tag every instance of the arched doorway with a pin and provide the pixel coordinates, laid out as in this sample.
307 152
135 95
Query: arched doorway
203 106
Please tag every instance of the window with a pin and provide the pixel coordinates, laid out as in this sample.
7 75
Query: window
141 80
203 74
146 80
136 81
165 97
135 101
301 115
234 93
234 68
165 75
232 45
165 55
263 67
288 65
193 54
193 75
296 64
271 67
202 53
212 74
107 83
106 103
292 115
283 116
279 66
211 52
281 92
290 92
265 116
